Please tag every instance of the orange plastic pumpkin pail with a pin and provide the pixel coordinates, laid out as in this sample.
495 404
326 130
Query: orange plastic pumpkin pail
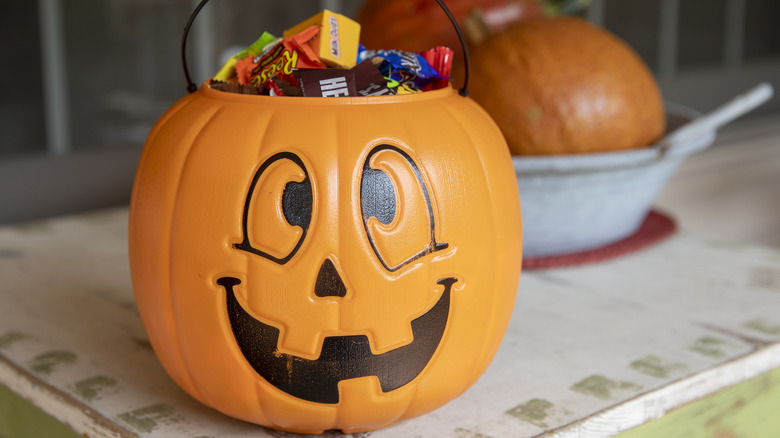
309 263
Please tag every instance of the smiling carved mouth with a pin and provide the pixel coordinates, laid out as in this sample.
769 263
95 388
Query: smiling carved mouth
342 357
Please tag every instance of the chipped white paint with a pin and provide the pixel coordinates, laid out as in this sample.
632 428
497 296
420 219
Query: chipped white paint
64 407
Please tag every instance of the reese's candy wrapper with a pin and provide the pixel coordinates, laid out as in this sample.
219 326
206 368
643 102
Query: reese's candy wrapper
229 69
408 68
337 43
331 82
369 80
291 53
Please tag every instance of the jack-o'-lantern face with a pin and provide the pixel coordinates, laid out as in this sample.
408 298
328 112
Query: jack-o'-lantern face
312 263
399 226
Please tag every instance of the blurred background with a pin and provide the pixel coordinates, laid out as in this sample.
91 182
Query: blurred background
85 80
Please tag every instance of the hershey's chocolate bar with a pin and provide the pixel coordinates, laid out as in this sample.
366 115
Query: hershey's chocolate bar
331 82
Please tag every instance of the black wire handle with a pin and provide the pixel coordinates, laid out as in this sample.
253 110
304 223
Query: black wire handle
191 87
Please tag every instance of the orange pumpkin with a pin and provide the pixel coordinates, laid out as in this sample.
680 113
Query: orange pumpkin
562 85
325 263
418 25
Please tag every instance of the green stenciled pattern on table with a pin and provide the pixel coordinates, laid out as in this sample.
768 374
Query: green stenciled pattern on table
761 325
20 419
657 367
711 347
94 388
465 433
603 387
745 410
534 411
46 363
149 418
12 337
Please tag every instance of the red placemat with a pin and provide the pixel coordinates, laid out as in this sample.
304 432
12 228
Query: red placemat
656 227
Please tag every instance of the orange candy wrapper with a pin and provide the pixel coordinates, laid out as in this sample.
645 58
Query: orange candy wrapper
290 54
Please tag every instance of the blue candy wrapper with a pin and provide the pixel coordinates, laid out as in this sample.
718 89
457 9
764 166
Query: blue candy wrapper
408 68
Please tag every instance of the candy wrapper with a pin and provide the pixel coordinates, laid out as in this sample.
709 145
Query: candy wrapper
362 80
321 57
440 58
280 87
332 82
234 87
396 87
408 68
228 70
369 80
288 55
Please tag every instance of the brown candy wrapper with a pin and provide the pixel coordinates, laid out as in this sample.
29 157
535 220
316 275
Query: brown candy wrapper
280 87
369 80
235 87
332 82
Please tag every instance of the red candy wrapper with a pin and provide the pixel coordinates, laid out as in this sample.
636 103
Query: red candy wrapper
280 87
440 58
290 54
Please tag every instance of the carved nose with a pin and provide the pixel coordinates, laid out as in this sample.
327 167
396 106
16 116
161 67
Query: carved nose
329 282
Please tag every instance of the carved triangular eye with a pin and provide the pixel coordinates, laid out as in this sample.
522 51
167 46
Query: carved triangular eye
396 208
278 209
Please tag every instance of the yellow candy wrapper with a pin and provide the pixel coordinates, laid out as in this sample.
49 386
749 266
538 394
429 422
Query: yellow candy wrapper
229 69
337 43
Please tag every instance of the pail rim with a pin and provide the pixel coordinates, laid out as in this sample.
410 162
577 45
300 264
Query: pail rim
440 93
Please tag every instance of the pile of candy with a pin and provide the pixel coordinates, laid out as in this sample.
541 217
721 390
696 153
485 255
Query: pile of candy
322 57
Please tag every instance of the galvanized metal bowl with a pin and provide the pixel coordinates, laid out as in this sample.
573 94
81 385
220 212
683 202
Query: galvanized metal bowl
573 203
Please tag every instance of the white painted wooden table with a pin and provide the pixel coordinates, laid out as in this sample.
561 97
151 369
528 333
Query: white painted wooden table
733 188
591 351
